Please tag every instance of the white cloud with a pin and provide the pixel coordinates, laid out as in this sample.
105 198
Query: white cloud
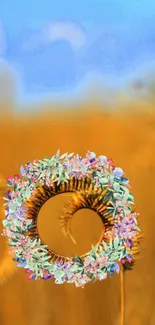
2 40
69 31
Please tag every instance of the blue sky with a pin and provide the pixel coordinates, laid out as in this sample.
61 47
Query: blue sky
54 45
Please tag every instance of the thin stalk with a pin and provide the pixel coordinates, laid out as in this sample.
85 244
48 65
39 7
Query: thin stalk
122 283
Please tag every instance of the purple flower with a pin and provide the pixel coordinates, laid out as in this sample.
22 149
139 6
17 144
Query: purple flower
66 165
66 265
21 264
20 212
117 268
8 194
31 277
118 172
130 242
22 170
92 160
127 223
47 277
60 263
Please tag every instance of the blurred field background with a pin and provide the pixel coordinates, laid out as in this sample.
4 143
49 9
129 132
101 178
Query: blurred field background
94 62
124 132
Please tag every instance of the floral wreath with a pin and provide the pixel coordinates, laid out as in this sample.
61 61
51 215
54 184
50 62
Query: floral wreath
98 185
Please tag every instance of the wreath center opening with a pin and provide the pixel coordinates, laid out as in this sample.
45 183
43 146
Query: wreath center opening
86 227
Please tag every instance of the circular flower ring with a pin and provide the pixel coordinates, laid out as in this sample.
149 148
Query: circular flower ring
98 185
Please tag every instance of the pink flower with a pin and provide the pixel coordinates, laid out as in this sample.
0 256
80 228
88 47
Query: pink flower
130 260
123 261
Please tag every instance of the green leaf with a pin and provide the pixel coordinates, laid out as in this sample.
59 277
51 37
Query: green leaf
74 268
111 244
94 256
91 275
111 179
34 243
130 197
127 210
116 242
107 196
109 211
105 246
6 223
54 174
22 192
39 176
20 230
116 186
16 186
63 156
12 244
57 153
125 196
103 180
12 208
48 172
15 240
118 196
16 222
47 264
123 252
9 217
46 258
137 228
28 193
113 257
59 274
19 201
70 155
93 249
101 250
78 259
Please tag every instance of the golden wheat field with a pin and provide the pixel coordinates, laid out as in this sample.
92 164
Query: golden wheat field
127 135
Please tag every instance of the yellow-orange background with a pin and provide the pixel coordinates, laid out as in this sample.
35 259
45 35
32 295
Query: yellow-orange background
128 136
